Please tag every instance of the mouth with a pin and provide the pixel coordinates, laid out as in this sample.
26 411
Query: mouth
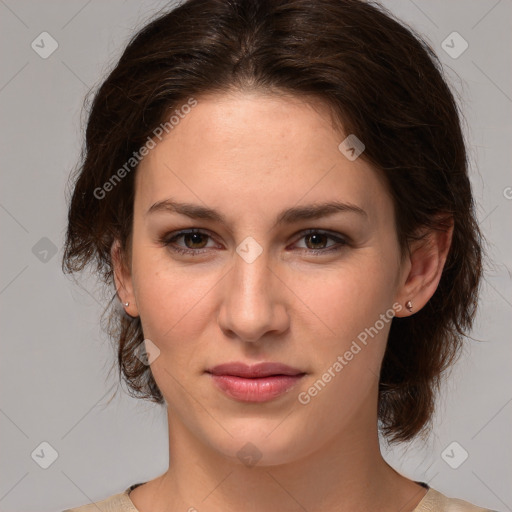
256 383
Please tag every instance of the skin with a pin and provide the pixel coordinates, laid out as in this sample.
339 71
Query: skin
251 155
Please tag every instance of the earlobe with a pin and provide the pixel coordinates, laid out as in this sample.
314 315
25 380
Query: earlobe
123 280
427 258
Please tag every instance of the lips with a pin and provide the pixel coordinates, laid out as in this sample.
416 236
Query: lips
254 371
256 383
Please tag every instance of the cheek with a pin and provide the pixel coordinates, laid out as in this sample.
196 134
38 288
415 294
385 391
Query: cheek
172 302
349 328
348 298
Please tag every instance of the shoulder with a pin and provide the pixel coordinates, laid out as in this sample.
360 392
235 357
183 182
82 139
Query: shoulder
116 503
434 501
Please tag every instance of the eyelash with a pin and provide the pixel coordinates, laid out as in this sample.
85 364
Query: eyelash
168 241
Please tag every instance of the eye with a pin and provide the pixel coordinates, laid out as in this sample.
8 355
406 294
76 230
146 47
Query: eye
318 238
195 242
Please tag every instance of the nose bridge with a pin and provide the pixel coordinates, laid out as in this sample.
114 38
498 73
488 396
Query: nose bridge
249 305
251 270
251 281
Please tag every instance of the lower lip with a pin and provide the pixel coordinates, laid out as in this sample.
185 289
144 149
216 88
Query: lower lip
260 389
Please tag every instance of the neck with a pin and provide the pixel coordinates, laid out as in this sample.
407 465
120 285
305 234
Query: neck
348 473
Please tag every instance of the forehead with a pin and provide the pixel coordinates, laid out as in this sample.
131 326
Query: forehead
256 151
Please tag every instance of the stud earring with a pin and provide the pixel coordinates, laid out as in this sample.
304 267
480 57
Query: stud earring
408 305
126 304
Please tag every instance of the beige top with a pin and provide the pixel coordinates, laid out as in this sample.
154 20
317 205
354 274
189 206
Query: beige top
433 501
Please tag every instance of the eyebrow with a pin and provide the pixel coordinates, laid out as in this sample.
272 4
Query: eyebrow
288 216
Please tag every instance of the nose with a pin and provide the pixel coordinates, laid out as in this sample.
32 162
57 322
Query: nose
253 306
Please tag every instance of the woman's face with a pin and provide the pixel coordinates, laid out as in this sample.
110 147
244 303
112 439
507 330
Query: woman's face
254 286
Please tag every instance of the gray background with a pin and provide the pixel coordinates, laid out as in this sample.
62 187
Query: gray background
55 359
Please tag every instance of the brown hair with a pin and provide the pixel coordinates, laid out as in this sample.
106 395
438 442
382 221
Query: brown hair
383 83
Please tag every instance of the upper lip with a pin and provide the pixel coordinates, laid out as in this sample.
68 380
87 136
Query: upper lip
238 369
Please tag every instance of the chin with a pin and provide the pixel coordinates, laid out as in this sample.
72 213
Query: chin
262 442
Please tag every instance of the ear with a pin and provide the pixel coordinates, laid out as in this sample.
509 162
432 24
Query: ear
424 265
123 279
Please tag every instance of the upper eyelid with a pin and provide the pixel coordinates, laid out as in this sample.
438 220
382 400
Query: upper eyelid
300 234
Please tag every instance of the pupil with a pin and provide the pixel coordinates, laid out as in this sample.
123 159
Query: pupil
315 237
193 235
312 238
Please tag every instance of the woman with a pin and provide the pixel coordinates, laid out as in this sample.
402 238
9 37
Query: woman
278 191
